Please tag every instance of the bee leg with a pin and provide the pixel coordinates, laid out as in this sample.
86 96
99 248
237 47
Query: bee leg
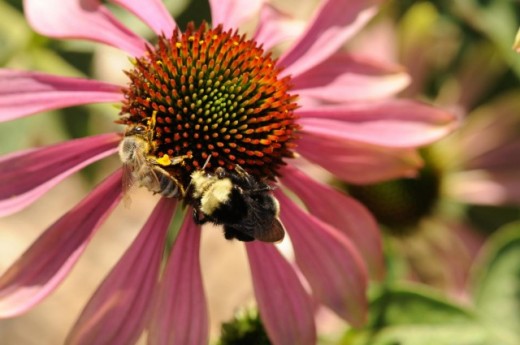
239 170
198 217
231 233
260 190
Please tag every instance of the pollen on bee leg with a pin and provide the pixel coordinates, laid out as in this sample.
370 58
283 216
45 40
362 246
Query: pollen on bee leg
164 160
153 119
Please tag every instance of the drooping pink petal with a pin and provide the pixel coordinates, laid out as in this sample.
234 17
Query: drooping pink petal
276 27
283 303
491 135
25 93
27 175
471 242
453 260
345 78
497 158
378 41
153 13
334 23
51 257
390 123
329 261
180 315
485 188
491 175
343 212
233 13
81 19
116 313
357 162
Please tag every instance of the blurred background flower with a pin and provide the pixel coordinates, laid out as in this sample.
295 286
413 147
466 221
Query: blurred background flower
447 229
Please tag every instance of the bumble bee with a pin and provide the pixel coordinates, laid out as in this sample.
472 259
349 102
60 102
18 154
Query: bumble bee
144 169
238 201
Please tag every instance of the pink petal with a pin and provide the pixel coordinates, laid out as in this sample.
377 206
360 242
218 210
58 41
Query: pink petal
27 175
471 241
81 19
335 22
497 158
453 261
391 123
492 176
276 27
52 256
357 162
116 313
485 188
233 13
378 41
329 261
344 213
153 13
490 134
180 315
343 78
25 93
283 303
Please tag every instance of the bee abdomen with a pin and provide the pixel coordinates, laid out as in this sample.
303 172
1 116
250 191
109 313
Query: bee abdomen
168 186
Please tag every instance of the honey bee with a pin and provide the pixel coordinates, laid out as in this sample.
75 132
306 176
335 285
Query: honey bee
141 168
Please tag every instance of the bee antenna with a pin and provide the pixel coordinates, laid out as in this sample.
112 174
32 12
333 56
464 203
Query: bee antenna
206 162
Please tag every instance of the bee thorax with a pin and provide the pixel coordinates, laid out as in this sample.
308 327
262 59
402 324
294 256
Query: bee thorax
215 195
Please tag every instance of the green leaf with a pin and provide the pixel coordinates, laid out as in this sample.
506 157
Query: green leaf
416 305
14 32
496 20
416 315
470 334
497 283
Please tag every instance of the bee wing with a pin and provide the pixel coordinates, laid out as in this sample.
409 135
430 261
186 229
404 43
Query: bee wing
149 177
128 178
138 172
128 181
275 233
